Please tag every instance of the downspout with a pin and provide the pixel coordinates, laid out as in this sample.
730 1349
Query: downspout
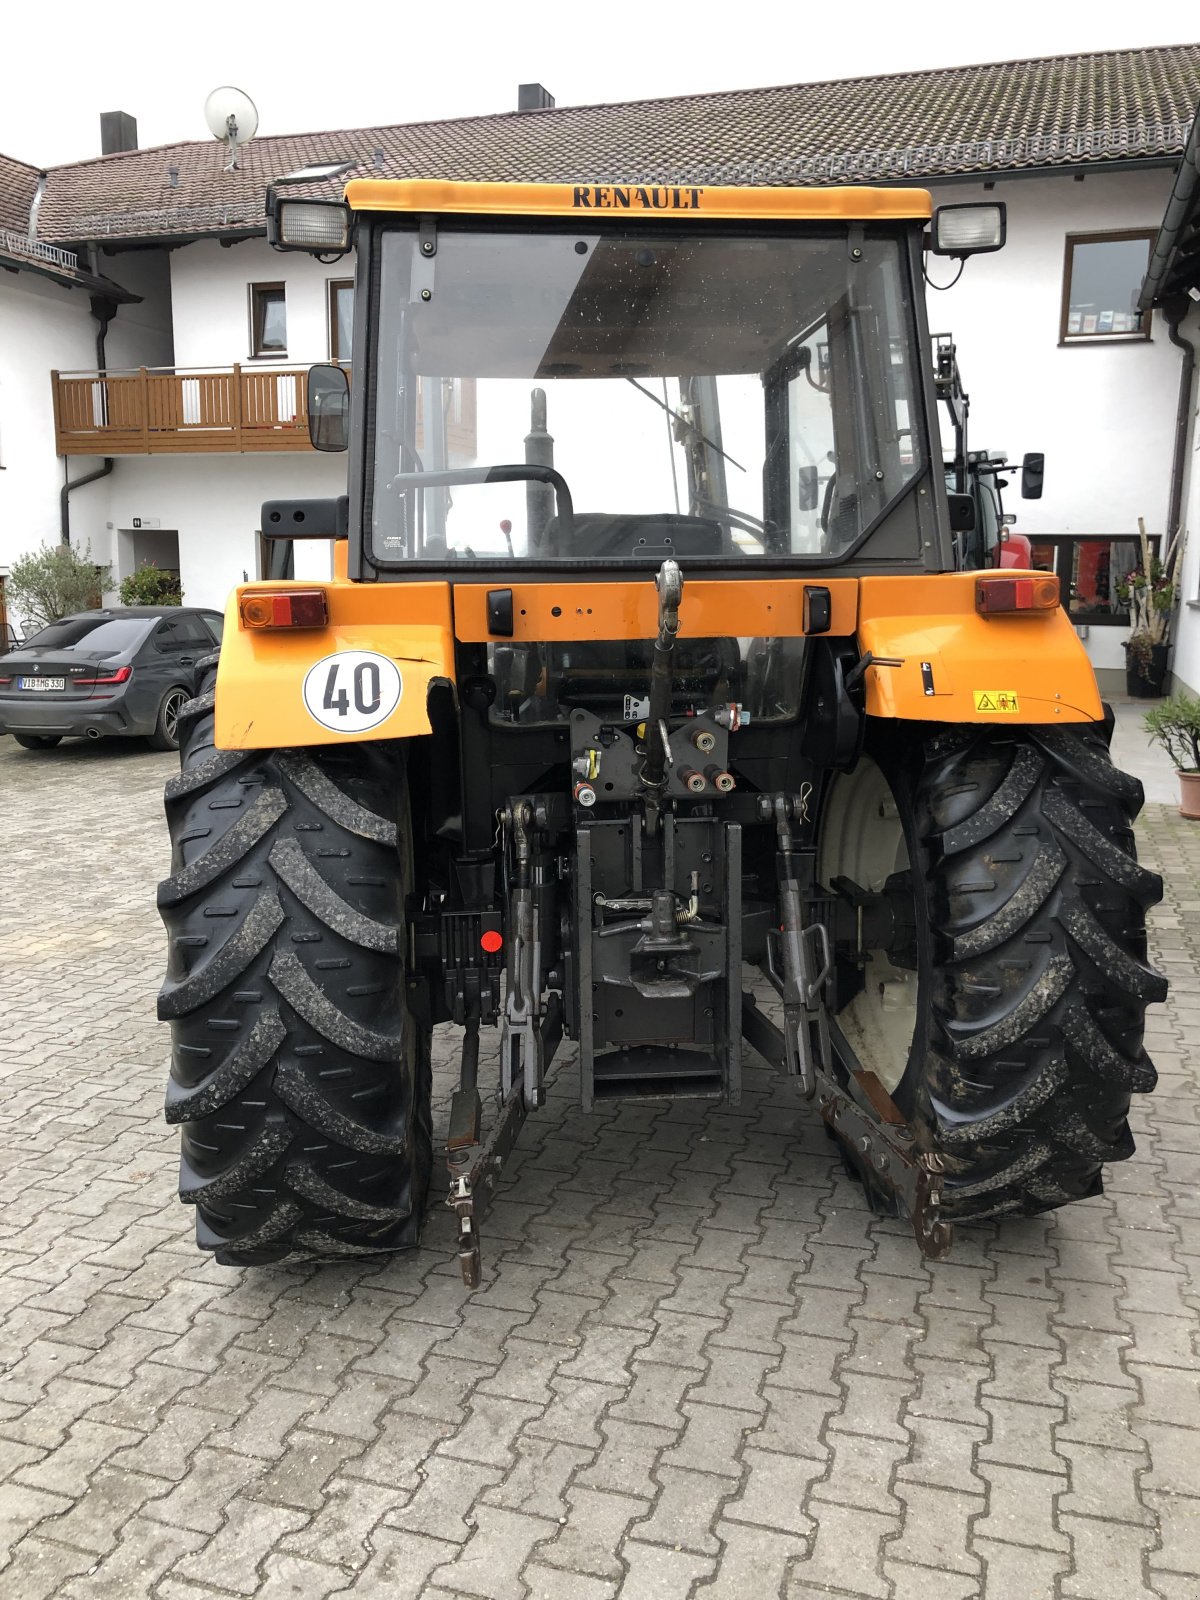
1174 313
104 311
77 483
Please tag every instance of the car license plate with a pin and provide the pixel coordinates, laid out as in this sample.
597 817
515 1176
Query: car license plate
41 683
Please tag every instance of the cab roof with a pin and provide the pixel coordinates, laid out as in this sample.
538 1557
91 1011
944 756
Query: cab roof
848 203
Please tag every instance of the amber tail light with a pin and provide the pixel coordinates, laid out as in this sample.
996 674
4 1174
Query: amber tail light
1001 597
284 608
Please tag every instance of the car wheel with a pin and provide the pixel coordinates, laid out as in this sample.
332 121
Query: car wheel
37 741
166 729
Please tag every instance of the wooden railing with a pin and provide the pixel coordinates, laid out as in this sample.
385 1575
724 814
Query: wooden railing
177 410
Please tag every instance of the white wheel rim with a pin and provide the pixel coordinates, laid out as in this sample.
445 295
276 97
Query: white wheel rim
862 838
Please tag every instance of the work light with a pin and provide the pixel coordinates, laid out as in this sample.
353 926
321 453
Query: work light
969 230
312 225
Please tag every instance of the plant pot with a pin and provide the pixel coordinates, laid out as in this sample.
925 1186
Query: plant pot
1148 682
1189 794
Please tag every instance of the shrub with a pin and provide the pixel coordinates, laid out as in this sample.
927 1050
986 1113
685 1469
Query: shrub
54 581
151 586
1175 724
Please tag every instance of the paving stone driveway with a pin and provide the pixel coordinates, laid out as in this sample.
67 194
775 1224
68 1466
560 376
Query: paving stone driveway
696 1366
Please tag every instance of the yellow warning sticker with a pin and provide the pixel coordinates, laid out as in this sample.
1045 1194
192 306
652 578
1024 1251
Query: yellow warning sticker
1001 701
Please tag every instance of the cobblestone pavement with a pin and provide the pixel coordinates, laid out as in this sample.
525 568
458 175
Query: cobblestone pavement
696 1366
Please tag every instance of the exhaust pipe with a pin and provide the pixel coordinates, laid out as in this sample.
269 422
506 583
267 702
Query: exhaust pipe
94 733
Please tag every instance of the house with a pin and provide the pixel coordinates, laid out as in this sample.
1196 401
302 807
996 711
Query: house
195 391
1173 287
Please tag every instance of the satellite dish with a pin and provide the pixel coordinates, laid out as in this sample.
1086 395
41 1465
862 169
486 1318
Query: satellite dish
232 118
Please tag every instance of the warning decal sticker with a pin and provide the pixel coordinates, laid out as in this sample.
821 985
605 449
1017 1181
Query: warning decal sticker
1001 701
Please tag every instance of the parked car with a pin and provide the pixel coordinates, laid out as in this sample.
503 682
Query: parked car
121 670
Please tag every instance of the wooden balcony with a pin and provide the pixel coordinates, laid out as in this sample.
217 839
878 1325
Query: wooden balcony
153 411
180 410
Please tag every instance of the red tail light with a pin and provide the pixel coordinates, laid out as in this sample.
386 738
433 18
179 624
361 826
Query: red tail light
121 675
996 597
284 608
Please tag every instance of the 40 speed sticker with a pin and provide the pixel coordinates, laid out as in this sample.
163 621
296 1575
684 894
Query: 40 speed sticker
352 691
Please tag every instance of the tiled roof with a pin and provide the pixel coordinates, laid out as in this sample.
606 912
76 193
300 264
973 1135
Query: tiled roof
1118 106
18 183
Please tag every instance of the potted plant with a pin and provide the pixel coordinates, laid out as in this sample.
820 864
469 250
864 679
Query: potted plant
1149 592
1175 725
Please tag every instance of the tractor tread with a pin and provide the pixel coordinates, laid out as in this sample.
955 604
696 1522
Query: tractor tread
1029 1036
307 884
225 1082
300 1079
253 825
304 773
1048 866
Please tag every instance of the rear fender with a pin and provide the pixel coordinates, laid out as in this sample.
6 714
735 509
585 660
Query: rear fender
937 660
273 683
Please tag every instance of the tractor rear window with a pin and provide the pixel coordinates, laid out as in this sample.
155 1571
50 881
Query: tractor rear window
699 396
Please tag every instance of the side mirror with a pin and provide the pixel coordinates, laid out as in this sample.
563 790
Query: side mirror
969 230
328 408
806 485
962 513
1033 471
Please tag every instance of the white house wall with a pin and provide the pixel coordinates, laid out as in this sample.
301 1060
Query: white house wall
1103 414
1186 663
46 327
210 302
213 503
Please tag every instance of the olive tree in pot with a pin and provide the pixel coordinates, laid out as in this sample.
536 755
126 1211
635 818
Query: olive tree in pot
1175 724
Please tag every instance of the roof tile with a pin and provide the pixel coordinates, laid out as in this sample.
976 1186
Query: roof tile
1003 116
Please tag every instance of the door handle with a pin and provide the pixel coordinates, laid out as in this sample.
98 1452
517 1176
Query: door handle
187 661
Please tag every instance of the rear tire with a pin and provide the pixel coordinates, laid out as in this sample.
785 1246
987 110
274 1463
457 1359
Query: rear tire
38 741
166 725
1031 978
299 1076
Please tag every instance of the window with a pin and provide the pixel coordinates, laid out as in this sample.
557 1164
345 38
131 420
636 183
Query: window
1102 279
268 320
341 318
596 336
102 633
1089 570
215 623
181 633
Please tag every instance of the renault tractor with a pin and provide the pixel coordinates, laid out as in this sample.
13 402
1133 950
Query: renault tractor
645 706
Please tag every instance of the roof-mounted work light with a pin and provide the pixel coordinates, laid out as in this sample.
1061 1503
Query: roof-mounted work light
319 226
969 230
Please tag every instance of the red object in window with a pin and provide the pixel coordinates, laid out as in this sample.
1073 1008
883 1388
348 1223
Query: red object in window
284 608
1016 551
121 675
491 941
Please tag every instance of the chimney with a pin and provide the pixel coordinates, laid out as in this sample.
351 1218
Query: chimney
118 132
532 97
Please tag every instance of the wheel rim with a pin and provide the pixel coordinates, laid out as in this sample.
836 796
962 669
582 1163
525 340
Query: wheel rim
862 838
171 710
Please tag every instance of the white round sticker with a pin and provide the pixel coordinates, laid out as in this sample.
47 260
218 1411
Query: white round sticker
353 690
